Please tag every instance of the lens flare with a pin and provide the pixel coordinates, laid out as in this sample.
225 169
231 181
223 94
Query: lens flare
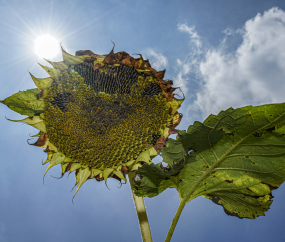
46 46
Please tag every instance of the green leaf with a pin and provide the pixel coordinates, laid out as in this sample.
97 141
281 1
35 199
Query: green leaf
235 158
25 102
174 152
155 179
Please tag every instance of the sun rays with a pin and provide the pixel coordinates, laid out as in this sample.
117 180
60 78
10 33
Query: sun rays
46 46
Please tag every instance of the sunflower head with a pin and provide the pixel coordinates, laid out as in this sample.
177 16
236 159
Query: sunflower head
99 115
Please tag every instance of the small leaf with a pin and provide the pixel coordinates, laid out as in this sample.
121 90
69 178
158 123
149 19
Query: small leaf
25 102
155 179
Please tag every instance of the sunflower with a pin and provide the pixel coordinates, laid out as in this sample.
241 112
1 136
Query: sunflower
99 115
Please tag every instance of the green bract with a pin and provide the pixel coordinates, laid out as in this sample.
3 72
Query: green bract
99 115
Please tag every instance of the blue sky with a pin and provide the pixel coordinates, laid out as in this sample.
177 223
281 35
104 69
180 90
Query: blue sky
221 53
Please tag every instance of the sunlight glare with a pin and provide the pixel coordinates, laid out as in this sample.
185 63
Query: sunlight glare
46 46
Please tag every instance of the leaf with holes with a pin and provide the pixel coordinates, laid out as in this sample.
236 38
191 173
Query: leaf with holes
235 158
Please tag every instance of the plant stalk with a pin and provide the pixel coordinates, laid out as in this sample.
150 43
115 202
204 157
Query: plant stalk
175 220
141 212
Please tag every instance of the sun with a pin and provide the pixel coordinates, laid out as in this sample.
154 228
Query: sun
46 46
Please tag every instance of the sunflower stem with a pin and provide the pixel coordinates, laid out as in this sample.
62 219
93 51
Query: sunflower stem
141 212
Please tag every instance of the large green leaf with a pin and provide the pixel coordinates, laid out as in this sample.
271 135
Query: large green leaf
235 159
25 102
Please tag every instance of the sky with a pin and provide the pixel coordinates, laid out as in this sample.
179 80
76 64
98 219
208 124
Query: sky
221 53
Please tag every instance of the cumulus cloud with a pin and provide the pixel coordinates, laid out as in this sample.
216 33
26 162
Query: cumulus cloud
185 69
189 66
158 60
253 74
195 38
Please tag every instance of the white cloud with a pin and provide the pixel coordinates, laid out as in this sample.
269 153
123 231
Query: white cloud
191 64
230 32
185 68
158 61
195 38
253 74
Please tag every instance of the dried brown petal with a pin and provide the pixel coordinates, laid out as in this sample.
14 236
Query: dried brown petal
110 58
162 140
158 147
41 140
138 63
126 62
40 94
98 178
159 75
96 66
84 52
171 89
122 55
160 143
90 59
68 167
147 64
124 170
172 130
48 149
168 96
